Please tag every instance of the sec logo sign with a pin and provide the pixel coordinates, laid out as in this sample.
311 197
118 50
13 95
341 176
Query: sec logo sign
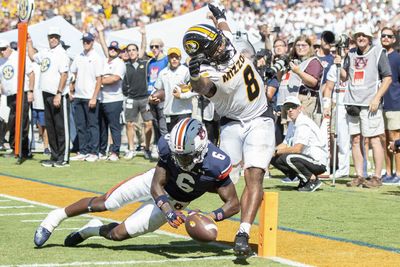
25 9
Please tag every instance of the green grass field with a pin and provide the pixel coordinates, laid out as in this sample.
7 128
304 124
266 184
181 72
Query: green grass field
369 217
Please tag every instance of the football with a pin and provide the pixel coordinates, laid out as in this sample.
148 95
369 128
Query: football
159 94
201 228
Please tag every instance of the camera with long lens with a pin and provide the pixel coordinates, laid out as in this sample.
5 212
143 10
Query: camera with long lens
341 40
280 64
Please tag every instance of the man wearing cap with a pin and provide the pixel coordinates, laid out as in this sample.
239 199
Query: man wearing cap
54 65
111 100
87 68
178 97
303 152
9 84
368 71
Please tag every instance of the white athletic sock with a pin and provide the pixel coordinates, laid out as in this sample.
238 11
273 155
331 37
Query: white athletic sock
92 228
53 219
244 228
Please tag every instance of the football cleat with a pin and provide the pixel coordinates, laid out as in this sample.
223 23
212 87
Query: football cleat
242 248
73 239
41 236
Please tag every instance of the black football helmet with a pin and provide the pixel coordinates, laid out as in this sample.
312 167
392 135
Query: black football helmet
206 39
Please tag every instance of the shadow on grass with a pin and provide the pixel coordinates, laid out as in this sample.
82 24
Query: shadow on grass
282 187
392 193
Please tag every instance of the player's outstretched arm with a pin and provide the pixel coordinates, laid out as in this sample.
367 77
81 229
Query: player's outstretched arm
174 218
218 12
231 203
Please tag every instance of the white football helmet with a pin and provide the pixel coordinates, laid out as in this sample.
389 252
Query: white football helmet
188 143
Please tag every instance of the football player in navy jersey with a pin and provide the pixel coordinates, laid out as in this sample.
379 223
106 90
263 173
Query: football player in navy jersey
189 166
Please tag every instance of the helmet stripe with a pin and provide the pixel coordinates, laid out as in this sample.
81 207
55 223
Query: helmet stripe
204 30
180 142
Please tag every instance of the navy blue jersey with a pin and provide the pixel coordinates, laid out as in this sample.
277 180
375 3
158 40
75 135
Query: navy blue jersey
206 176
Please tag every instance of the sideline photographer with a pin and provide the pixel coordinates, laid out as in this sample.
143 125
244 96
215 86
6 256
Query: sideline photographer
368 71
303 80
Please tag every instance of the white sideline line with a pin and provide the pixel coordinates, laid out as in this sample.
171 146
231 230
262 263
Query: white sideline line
22 214
289 262
70 220
5 200
277 259
85 263
16 207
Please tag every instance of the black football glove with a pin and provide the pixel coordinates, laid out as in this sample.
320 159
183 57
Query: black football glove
194 65
217 11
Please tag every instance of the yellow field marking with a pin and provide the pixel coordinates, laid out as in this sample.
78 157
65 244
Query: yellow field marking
296 247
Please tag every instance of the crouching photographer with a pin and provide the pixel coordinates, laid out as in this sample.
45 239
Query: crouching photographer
302 79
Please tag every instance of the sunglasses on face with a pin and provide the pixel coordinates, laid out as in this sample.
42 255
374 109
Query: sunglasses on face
301 45
3 49
390 36
154 46
86 41
290 106
113 49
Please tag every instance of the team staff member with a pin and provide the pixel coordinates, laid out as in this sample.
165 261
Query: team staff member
368 72
54 66
111 100
303 153
172 79
87 68
232 83
9 83
188 167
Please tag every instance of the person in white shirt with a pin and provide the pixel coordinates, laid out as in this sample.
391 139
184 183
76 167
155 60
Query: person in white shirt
9 84
178 97
303 153
111 100
54 65
87 68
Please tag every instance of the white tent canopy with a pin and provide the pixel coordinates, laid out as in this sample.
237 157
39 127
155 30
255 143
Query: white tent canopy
171 31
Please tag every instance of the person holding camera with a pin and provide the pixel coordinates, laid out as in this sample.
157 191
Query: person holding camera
302 79
368 71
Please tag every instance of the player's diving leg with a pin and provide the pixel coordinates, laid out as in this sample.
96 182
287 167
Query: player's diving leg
147 218
130 190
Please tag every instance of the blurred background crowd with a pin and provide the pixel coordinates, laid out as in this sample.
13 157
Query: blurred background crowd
289 16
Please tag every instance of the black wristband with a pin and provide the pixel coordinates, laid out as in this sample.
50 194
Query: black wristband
219 214
161 200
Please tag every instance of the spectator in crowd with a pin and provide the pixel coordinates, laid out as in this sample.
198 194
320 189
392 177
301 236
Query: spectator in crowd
173 80
54 66
87 68
369 75
303 79
161 189
134 88
9 82
303 152
243 123
158 62
280 48
391 107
